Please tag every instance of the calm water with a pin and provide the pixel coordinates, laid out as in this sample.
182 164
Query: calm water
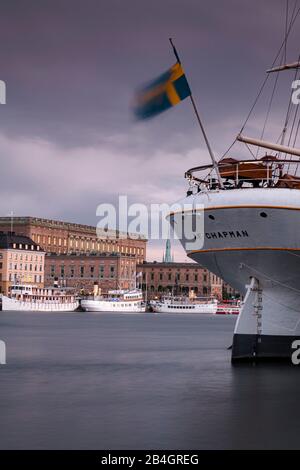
105 381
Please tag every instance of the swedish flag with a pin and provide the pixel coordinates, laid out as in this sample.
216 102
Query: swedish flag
163 93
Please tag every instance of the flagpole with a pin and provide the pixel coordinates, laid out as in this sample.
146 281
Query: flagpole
211 154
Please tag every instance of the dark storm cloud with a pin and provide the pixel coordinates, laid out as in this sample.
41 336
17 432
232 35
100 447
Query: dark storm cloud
71 68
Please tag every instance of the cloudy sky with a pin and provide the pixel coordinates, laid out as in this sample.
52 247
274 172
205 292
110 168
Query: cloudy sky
68 141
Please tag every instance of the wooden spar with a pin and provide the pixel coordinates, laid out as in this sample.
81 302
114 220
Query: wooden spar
269 145
294 65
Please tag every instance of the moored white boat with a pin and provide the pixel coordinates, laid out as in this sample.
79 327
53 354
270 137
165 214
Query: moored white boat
228 309
30 298
177 305
118 301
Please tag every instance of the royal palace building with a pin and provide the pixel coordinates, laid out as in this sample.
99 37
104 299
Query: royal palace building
162 278
82 272
65 237
80 255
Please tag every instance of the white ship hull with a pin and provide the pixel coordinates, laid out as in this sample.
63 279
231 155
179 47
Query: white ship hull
38 306
252 241
91 305
160 307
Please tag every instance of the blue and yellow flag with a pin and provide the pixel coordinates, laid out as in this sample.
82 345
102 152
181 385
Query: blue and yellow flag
163 93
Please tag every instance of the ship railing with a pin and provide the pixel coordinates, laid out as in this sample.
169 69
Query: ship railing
268 172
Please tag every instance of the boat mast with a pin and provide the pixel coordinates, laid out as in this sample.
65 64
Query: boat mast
211 154
269 145
279 68
294 65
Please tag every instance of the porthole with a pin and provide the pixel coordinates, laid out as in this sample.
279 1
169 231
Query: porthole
263 214
211 217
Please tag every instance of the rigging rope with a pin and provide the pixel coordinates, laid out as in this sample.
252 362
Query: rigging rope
294 144
286 26
288 114
269 110
286 286
294 16
293 19
294 120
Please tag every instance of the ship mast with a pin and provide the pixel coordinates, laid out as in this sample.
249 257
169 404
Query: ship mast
294 65
281 148
268 145
290 148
